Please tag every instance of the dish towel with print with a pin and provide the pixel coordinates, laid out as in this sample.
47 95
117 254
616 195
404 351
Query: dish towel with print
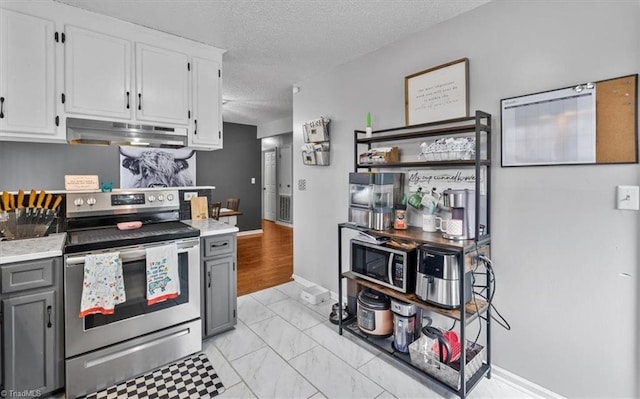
163 280
103 285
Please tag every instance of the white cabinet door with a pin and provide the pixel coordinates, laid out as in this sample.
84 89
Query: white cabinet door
206 131
97 74
27 82
162 82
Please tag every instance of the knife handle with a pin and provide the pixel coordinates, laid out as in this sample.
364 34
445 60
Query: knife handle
56 203
20 199
5 200
40 199
32 198
12 202
47 202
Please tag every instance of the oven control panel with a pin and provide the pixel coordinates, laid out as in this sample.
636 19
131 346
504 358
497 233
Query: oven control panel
122 201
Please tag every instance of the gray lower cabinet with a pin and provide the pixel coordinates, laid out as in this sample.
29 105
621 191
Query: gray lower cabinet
32 353
219 291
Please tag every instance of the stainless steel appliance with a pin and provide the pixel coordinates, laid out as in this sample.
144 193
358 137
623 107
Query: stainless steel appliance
374 313
406 326
102 350
89 131
462 204
372 197
391 267
438 278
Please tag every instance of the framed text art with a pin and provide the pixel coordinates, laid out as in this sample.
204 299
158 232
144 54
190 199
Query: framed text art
438 93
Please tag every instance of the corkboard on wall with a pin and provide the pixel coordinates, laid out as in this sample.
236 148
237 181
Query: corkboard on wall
616 120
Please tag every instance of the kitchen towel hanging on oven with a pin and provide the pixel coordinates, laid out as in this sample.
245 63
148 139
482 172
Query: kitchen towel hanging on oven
163 280
103 285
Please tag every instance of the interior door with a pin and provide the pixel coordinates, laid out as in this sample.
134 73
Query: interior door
270 188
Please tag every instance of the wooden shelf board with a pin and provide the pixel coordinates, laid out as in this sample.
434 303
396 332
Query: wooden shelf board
470 307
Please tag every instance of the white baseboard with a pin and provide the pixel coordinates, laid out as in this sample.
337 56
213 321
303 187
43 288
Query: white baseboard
285 224
515 381
250 232
303 281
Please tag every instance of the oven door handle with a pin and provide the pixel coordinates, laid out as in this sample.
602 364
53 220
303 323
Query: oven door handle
125 256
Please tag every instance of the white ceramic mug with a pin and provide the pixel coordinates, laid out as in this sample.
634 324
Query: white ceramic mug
429 223
450 226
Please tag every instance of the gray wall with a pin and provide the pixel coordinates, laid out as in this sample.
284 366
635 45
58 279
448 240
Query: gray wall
231 170
43 166
560 249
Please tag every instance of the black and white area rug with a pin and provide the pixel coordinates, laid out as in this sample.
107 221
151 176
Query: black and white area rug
193 377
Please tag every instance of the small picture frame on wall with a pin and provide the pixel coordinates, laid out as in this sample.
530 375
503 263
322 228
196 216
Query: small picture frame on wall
438 93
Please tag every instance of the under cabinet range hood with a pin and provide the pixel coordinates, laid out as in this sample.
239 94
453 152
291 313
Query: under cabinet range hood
89 131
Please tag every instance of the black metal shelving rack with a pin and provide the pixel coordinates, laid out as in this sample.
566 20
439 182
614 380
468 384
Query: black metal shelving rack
479 124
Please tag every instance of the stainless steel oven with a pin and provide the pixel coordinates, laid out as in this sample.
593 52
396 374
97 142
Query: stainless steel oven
103 350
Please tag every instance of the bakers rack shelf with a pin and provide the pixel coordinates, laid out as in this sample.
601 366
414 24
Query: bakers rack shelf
478 365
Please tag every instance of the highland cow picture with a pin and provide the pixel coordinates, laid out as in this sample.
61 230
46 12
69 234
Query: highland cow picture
157 167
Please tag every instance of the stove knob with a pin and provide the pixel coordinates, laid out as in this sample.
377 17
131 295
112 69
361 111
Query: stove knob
91 201
160 197
170 197
78 202
152 198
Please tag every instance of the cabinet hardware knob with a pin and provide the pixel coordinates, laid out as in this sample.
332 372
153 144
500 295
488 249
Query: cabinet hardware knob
1 107
139 101
127 100
49 316
195 129
209 276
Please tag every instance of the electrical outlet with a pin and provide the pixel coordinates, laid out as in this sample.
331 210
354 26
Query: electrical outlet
253 180
629 197
189 195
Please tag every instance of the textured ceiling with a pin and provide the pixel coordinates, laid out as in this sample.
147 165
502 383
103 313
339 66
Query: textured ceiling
272 44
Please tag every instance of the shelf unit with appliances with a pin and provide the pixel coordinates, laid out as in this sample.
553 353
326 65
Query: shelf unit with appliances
466 251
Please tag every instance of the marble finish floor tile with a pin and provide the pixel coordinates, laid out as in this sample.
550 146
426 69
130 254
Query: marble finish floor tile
269 376
322 308
238 391
252 311
282 337
227 374
291 289
326 334
297 314
332 376
238 342
397 382
269 296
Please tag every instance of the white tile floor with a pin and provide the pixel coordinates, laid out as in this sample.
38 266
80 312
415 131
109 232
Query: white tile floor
283 347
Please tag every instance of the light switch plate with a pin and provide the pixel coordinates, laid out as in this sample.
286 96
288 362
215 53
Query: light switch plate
629 197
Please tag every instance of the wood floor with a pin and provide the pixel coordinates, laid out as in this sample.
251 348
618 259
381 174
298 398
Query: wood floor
265 260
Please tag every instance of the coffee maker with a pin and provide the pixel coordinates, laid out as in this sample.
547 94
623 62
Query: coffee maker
462 205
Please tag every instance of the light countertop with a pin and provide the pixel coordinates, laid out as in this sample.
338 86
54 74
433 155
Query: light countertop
32 248
210 227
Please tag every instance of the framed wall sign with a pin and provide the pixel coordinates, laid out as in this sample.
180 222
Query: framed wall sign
438 93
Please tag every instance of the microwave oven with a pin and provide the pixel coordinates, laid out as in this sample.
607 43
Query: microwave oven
390 267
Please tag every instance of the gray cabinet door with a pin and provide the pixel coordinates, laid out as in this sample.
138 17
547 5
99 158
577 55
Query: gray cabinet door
29 334
220 297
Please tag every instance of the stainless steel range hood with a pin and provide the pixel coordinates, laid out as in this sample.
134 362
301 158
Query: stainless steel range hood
88 131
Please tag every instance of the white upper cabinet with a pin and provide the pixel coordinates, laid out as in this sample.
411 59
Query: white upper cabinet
162 85
27 78
206 131
97 75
